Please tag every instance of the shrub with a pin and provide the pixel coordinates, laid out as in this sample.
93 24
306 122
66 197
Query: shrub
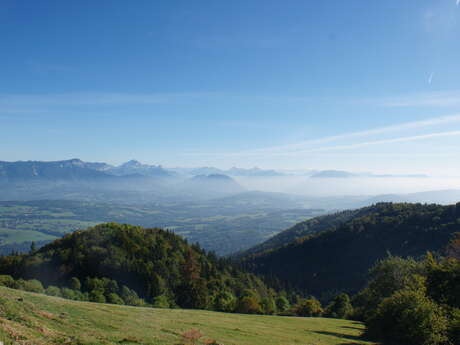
408 317
33 286
308 307
68 293
340 307
6 280
443 281
282 304
386 277
454 326
97 296
268 305
224 301
130 297
53 291
75 284
248 305
19 284
114 298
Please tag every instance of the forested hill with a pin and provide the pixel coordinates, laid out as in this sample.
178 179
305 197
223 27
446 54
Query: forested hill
161 267
339 259
308 227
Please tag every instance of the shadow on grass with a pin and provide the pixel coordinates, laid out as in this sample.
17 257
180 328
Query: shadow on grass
349 327
342 336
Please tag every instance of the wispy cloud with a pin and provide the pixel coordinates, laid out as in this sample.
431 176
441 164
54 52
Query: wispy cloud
300 153
349 139
435 99
384 141
97 99
442 120
430 78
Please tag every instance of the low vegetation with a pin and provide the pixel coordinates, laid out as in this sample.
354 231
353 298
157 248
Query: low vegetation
412 302
28 318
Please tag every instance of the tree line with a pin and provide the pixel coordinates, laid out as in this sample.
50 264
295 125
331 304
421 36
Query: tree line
413 302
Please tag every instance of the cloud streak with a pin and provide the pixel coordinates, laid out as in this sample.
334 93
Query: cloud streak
384 141
94 99
321 144
442 120
435 99
404 139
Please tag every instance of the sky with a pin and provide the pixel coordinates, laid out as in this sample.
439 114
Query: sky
351 85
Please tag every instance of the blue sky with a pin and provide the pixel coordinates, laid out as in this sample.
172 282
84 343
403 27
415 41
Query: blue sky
355 85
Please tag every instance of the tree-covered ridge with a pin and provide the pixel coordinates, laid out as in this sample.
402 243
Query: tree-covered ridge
161 267
338 259
302 229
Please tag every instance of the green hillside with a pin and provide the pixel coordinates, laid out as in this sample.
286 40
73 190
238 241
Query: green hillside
308 227
338 259
106 262
39 320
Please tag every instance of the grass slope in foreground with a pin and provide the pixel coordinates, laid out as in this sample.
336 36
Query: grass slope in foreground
40 319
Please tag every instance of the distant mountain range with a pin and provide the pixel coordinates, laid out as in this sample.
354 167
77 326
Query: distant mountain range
134 167
75 168
257 172
131 182
135 182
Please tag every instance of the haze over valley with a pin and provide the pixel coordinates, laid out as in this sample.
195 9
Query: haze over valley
236 172
226 211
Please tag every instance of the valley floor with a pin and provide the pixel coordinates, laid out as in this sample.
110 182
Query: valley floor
32 319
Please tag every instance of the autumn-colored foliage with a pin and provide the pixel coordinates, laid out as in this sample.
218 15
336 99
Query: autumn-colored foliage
192 336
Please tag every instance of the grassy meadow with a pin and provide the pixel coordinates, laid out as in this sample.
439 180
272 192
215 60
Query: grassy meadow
33 319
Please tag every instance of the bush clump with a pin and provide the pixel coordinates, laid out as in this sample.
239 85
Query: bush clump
408 317
309 307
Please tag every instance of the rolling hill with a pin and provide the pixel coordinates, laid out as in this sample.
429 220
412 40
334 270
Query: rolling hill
300 230
156 264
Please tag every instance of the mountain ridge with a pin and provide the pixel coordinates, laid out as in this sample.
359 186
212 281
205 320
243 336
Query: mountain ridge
339 257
